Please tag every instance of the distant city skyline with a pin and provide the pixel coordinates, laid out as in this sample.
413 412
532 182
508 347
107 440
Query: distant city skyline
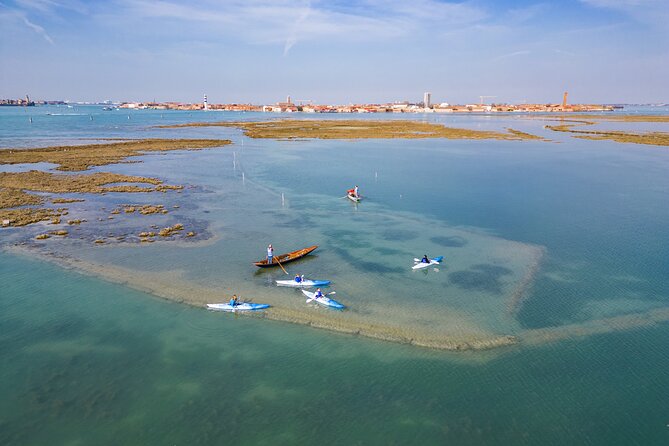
337 52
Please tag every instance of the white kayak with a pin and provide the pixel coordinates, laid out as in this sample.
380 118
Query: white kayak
243 306
323 300
305 283
353 198
420 265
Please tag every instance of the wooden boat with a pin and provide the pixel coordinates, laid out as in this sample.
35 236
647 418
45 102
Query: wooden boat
285 258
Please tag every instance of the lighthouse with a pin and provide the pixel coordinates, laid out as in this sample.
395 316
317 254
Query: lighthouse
206 106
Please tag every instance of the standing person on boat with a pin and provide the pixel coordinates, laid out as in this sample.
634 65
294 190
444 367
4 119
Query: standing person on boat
318 293
270 253
233 301
355 192
425 259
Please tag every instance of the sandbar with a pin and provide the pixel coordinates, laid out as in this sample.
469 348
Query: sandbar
356 129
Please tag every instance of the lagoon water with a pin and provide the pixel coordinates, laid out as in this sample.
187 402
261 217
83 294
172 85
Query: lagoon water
560 244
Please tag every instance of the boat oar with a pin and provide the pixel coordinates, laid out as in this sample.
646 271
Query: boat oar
284 269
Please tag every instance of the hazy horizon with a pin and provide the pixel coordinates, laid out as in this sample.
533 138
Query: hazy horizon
260 51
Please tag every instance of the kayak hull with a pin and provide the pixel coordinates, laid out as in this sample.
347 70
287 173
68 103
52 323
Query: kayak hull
421 265
325 301
244 306
306 283
353 198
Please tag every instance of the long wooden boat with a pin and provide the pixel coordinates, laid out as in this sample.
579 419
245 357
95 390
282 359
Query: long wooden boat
285 258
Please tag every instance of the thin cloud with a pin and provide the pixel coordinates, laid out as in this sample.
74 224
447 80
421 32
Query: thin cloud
510 55
566 53
51 8
38 29
39 5
287 22
522 15
17 16
292 38
653 12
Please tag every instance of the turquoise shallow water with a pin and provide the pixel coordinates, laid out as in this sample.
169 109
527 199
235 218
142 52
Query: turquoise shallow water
85 361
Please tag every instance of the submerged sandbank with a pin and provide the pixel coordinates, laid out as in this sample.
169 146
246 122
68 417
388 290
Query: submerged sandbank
467 312
167 285
648 138
567 124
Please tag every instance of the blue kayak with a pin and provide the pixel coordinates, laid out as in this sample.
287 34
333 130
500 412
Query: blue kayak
243 306
305 283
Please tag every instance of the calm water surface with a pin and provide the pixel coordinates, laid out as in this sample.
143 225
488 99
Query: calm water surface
84 361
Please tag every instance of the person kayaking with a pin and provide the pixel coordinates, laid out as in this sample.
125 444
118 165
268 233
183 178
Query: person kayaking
233 301
318 293
355 192
425 259
270 253
298 278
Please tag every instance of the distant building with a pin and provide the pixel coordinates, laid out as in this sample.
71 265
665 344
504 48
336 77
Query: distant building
426 99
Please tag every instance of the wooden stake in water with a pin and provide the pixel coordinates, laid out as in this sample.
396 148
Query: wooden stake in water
283 201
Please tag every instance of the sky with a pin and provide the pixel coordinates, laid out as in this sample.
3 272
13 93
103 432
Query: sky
337 52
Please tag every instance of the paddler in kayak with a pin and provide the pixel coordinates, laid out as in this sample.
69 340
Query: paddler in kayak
318 293
353 192
270 254
234 301
425 259
299 278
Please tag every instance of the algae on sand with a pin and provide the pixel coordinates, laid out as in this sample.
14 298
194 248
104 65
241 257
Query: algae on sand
355 129
75 158
648 138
